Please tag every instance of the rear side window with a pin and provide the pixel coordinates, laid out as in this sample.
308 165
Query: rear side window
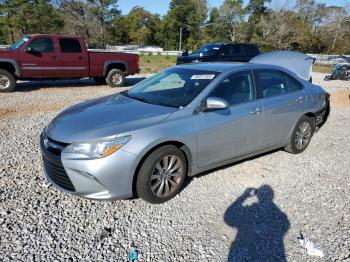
251 50
236 50
271 82
42 45
69 45
225 51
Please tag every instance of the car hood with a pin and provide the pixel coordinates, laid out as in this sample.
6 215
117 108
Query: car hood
5 51
104 117
190 57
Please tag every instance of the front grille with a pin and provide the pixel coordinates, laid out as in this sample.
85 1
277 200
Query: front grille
58 175
55 147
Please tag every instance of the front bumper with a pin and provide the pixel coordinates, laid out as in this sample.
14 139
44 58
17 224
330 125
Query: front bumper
106 178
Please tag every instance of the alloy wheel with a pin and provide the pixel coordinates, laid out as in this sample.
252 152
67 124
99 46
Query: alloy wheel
303 135
166 176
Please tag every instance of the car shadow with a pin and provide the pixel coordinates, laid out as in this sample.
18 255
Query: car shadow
27 86
261 227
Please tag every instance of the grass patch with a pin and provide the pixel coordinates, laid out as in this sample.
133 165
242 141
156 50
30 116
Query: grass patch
322 68
155 63
150 64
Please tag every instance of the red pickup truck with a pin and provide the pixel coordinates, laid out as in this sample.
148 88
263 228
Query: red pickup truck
53 56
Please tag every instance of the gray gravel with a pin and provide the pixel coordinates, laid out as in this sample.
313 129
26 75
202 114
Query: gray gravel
39 223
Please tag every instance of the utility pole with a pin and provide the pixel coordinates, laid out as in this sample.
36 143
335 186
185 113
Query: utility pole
180 42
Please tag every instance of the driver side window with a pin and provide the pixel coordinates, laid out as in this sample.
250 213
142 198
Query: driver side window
42 45
236 89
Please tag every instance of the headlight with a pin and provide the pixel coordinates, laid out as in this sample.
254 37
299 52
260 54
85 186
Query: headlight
97 149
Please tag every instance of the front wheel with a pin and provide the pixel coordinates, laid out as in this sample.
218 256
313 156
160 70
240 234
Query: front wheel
7 82
301 135
162 175
115 78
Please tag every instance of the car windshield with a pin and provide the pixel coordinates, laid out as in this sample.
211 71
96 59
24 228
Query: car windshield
20 42
175 87
210 49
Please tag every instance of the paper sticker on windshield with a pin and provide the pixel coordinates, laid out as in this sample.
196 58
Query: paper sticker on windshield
25 39
202 77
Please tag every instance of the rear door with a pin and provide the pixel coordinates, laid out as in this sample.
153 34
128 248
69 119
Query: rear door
283 101
232 132
73 57
39 58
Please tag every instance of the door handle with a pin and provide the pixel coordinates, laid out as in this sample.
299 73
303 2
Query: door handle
53 57
300 99
256 111
80 57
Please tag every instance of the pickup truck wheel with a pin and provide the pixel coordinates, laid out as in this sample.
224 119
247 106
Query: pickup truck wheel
115 78
7 81
100 80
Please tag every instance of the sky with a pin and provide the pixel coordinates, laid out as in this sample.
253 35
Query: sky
162 6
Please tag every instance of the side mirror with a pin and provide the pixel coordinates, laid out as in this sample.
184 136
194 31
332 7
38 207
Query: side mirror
215 103
31 50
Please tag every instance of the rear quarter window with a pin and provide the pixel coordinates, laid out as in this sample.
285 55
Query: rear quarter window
293 84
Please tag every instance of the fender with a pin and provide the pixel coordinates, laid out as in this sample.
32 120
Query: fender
13 62
108 63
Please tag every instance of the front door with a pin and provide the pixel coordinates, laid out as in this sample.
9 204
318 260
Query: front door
231 132
39 58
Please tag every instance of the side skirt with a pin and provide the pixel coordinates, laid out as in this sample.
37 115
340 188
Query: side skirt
196 171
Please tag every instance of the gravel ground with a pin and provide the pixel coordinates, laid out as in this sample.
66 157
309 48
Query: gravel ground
306 193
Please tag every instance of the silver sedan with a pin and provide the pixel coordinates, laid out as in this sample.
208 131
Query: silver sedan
179 123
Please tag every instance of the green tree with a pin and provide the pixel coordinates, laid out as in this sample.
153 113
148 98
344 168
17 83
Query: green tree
141 26
104 13
25 17
232 15
215 30
188 17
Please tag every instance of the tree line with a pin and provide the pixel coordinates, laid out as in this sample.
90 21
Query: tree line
308 26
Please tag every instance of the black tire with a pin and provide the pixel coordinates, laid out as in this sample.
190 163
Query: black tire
145 183
115 78
299 141
100 80
7 82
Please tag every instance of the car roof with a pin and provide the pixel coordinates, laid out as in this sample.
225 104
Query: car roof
216 67
221 67
57 35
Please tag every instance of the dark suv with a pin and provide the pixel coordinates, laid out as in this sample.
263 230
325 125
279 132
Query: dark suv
220 52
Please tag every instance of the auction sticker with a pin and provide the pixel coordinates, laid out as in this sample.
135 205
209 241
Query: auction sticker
202 76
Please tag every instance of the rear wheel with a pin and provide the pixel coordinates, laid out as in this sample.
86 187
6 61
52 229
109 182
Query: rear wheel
162 175
7 81
301 135
115 78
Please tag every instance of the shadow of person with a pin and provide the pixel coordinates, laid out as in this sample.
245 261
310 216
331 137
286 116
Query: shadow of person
261 227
